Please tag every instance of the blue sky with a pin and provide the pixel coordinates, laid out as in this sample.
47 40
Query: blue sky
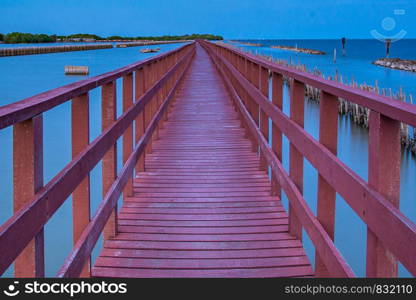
230 18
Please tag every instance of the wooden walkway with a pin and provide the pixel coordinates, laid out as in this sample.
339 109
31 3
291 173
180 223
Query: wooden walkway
202 208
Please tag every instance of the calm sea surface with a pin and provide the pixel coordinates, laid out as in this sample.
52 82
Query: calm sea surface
24 76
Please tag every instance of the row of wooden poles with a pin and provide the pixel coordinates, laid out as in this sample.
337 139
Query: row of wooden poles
147 43
358 114
68 48
51 49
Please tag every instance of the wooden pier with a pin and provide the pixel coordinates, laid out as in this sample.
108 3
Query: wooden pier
202 208
202 176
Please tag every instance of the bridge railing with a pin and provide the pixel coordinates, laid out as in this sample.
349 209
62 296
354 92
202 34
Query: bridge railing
147 88
391 236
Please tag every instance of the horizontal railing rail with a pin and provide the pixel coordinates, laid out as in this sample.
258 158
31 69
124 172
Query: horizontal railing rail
391 235
155 83
32 106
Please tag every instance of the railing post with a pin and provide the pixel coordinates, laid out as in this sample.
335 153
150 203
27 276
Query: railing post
148 109
264 118
109 168
277 100
81 195
128 134
297 106
384 177
328 136
139 91
27 180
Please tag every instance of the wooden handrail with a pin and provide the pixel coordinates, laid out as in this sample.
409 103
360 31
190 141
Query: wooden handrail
397 110
30 219
375 205
83 248
28 108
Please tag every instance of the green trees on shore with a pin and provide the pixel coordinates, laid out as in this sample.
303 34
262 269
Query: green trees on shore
19 37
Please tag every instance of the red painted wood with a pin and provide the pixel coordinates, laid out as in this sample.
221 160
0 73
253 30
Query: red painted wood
198 264
264 118
203 230
128 134
139 122
384 176
277 100
90 236
320 238
328 136
81 195
397 110
45 203
201 254
221 273
109 167
28 108
202 190
27 180
297 107
391 225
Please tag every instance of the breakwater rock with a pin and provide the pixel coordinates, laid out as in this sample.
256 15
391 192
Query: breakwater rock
397 64
297 49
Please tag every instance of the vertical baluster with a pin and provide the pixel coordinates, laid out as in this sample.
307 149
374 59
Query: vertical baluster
27 180
384 177
109 168
328 135
147 108
139 91
264 118
297 106
128 134
81 195
277 99
255 72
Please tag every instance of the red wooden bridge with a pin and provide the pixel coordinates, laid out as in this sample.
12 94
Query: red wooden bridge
202 175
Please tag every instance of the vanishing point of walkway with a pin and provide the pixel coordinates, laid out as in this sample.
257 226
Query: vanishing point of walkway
202 208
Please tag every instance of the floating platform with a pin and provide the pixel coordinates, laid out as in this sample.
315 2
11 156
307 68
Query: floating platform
149 50
76 70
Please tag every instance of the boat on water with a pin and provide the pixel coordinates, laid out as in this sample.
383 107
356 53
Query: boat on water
149 50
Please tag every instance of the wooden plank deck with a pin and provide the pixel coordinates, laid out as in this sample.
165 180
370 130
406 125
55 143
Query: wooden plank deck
202 208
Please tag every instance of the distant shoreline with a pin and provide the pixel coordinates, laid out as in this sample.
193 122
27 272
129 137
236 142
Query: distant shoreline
297 49
397 64
247 43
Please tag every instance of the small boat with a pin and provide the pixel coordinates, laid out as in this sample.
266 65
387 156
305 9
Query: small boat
149 50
